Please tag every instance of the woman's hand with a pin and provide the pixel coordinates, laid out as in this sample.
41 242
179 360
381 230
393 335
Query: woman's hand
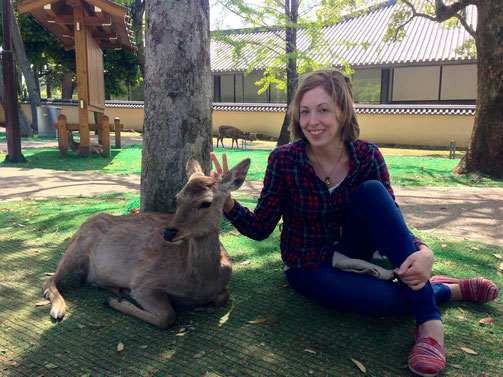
220 170
415 271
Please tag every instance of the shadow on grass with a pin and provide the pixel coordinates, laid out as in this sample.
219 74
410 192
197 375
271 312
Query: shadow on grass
292 337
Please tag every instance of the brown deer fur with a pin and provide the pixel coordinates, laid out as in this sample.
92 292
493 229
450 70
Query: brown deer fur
235 134
161 259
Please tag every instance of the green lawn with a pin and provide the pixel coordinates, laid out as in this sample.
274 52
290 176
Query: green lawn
295 337
405 170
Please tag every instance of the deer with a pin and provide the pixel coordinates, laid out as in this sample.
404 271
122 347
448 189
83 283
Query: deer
235 134
170 260
75 146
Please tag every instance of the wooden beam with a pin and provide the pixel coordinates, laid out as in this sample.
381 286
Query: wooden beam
28 6
88 20
82 78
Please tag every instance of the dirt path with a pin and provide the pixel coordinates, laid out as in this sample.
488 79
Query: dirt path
474 214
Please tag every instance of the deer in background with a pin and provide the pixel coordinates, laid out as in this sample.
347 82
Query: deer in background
75 146
235 134
170 259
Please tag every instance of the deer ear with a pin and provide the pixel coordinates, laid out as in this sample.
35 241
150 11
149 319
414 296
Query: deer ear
234 178
193 166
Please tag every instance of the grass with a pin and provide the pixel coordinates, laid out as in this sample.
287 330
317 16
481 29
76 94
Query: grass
429 169
296 338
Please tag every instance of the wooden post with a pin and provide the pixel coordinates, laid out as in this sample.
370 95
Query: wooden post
62 135
105 135
117 123
99 120
82 75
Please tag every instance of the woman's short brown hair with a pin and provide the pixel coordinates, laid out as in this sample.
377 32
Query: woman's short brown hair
339 87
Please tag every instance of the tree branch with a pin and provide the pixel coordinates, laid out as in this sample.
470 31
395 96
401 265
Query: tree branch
444 12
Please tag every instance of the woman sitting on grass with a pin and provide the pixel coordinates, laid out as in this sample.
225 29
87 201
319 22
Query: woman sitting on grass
333 192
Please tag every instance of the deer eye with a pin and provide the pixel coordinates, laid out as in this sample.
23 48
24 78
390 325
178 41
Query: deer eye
205 205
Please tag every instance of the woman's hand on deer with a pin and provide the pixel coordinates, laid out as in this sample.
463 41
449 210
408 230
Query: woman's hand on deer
220 170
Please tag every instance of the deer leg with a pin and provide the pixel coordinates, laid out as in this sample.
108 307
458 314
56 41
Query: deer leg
222 298
75 259
119 292
155 309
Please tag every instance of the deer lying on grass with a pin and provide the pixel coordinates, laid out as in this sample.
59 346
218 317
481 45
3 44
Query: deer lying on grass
169 259
235 134
75 146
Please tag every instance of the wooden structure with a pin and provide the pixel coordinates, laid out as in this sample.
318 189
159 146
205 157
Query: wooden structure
88 26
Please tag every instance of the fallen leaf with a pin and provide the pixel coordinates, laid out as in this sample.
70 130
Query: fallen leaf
444 245
234 233
120 347
43 303
309 351
468 351
50 366
245 262
497 256
474 248
48 273
359 365
143 346
257 321
499 274
487 321
199 355
223 319
501 266
97 325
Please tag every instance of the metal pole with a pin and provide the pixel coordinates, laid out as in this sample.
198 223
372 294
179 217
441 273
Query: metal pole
11 105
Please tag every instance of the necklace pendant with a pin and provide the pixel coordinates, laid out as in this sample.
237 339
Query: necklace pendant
328 181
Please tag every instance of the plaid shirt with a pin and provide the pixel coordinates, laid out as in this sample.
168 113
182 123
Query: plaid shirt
312 216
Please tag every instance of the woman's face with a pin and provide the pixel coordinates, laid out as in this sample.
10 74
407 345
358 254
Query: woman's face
319 118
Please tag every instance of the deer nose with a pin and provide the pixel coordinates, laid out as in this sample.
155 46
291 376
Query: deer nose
169 234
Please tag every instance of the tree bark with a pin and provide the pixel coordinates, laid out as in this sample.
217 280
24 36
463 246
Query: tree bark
485 153
177 121
67 88
291 11
24 64
24 126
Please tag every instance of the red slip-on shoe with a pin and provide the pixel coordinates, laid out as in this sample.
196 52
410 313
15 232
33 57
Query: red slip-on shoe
427 358
478 290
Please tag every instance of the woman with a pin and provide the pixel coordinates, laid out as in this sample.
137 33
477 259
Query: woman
333 192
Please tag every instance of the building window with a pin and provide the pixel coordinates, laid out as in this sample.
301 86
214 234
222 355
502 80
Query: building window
250 89
416 83
367 86
459 82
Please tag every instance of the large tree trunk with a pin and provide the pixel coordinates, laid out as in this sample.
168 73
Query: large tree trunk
67 87
24 126
485 153
31 84
291 12
177 121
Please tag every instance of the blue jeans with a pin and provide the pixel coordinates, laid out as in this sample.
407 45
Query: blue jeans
373 223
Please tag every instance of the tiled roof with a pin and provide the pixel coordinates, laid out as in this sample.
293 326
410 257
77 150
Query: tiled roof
281 107
426 42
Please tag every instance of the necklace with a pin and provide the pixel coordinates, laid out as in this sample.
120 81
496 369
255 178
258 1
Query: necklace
327 179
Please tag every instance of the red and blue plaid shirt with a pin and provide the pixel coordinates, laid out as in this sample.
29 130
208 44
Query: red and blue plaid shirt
312 216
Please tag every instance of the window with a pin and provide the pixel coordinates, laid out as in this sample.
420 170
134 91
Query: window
459 82
250 89
416 83
367 86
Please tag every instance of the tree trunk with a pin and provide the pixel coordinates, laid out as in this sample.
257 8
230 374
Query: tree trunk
291 12
27 72
24 126
177 121
139 11
67 87
485 153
